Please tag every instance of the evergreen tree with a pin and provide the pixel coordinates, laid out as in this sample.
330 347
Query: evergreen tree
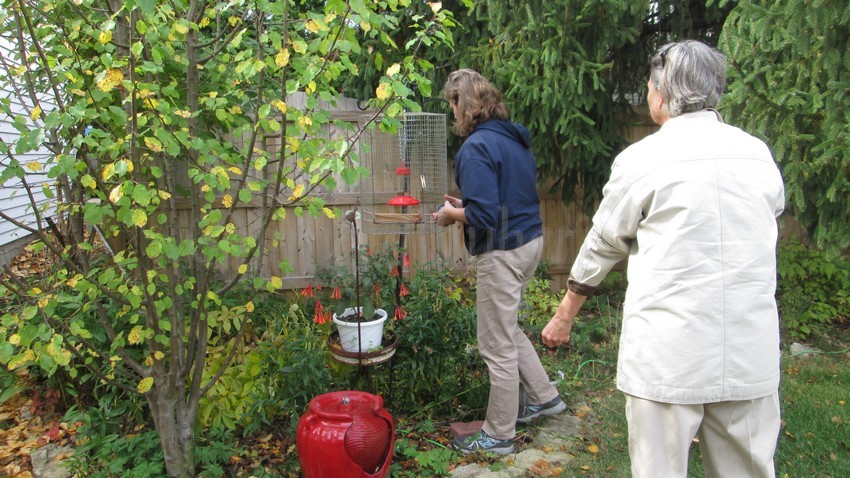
790 85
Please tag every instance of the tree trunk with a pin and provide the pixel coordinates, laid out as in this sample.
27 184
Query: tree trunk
176 432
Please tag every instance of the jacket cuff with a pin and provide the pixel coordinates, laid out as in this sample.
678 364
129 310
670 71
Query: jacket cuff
579 288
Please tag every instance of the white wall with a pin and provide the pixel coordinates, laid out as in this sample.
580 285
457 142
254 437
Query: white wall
14 199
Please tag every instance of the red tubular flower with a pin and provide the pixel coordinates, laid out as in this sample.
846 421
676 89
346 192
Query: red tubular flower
394 272
319 315
403 290
307 291
336 294
406 261
377 289
400 313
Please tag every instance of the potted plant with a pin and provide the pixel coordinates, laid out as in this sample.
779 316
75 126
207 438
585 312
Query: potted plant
357 303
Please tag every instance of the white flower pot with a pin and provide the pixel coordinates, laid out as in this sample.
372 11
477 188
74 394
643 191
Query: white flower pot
370 332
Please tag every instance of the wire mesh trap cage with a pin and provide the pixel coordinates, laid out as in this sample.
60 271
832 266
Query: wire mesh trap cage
409 176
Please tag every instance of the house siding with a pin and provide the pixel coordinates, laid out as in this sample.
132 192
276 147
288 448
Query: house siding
14 199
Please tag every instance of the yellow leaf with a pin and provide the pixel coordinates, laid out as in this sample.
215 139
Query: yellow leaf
293 143
249 306
227 200
282 58
181 29
36 112
105 37
242 269
28 356
365 26
153 144
394 69
164 195
435 6
145 385
305 121
113 78
183 113
235 170
593 449
116 194
159 355
279 105
276 282
236 110
135 335
328 213
34 166
14 339
384 91
139 218
311 25
150 103
297 192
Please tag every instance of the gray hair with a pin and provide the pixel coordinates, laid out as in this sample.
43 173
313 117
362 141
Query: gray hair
689 75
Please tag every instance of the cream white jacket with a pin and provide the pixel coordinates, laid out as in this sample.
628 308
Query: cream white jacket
693 207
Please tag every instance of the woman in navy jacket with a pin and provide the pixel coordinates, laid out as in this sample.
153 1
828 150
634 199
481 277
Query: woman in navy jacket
500 213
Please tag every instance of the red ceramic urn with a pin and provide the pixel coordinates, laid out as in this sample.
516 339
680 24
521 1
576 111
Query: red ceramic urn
345 434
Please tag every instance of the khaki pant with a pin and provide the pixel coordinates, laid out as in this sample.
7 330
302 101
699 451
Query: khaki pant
737 439
510 356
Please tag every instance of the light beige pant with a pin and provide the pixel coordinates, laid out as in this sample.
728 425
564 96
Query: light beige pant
737 439
510 356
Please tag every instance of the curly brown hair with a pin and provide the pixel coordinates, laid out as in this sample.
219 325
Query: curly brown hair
476 100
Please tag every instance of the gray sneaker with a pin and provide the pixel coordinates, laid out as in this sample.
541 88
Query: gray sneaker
482 442
530 412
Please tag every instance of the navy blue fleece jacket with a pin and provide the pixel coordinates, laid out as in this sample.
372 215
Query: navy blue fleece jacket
497 175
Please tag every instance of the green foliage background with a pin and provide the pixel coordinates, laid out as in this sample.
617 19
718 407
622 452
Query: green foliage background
789 84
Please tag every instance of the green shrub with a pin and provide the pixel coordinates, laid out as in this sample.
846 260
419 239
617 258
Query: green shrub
294 366
813 289
437 364
111 445
539 303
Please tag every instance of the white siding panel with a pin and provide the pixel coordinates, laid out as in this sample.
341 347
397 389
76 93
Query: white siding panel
13 198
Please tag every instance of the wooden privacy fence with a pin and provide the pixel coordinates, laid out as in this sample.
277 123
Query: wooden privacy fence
309 243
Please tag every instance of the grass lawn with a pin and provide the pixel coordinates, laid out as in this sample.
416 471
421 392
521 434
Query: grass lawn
814 441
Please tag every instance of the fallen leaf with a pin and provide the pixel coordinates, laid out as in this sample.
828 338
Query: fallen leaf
593 449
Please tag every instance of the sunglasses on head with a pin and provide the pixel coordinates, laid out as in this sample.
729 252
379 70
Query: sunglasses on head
663 56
